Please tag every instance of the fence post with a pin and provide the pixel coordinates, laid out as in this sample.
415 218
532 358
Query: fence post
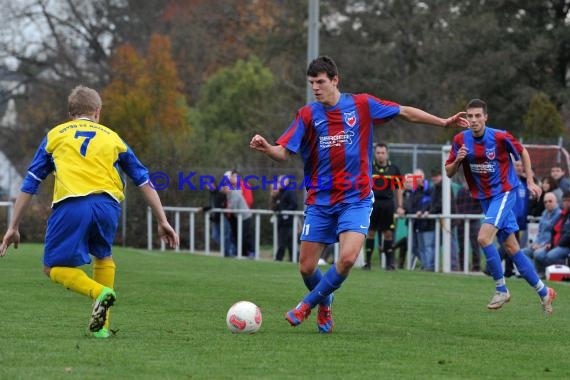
466 239
437 243
409 254
192 223
446 210
257 235
239 235
207 232
295 245
176 228
275 234
222 235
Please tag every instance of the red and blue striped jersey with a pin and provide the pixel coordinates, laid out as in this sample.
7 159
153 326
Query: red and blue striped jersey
335 144
488 166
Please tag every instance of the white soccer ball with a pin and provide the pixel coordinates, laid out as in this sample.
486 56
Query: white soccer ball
244 317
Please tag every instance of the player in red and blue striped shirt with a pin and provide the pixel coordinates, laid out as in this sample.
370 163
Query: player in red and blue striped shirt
486 155
334 138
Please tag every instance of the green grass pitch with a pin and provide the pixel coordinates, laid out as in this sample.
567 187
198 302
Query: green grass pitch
171 311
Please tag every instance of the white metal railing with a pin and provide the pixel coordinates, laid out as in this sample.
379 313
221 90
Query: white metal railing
444 221
256 215
10 207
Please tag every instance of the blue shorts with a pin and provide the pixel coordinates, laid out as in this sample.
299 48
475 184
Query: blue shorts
499 212
80 226
323 224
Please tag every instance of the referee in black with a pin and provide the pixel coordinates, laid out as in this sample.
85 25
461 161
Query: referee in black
387 180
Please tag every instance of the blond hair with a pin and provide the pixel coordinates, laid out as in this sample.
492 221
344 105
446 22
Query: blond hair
83 101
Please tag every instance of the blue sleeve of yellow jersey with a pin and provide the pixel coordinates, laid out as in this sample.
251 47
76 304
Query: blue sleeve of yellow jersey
42 165
133 167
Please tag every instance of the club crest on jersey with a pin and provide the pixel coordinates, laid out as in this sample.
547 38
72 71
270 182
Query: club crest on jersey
350 118
490 153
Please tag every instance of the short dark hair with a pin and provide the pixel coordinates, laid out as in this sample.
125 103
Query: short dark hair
566 195
381 145
322 64
435 172
477 103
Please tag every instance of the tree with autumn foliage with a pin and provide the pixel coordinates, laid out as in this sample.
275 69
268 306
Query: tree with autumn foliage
208 35
144 102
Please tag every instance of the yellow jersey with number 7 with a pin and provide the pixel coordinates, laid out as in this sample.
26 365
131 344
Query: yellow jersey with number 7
85 158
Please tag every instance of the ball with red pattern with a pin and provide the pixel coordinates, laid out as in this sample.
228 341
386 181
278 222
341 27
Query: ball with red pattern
244 317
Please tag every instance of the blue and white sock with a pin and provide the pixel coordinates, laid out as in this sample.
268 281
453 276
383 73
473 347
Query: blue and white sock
527 271
330 282
312 281
494 267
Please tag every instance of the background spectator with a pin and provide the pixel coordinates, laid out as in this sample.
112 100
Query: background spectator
419 203
548 184
283 199
386 177
238 183
559 175
549 217
218 199
436 208
236 202
401 244
465 204
558 250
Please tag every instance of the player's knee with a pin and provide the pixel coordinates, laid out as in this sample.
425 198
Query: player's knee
47 271
306 270
345 263
483 240
307 267
512 247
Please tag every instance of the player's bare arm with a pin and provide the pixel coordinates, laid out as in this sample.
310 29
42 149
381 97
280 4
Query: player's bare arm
532 187
275 152
165 230
452 168
12 235
416 115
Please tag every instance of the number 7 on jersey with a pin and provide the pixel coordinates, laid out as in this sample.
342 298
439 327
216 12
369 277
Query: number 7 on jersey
88 136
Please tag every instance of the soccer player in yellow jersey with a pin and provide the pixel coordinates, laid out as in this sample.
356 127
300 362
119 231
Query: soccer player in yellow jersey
85 158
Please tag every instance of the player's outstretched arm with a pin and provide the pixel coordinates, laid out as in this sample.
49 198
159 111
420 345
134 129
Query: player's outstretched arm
416 115
275 152
165 230
12 235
